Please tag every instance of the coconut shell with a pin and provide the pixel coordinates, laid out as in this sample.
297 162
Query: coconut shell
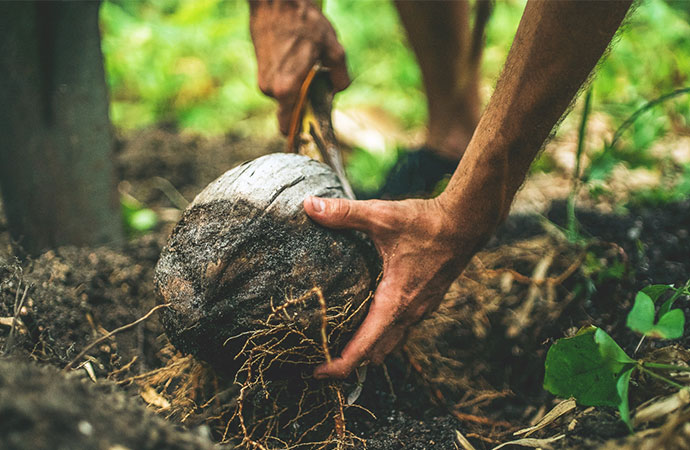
245 245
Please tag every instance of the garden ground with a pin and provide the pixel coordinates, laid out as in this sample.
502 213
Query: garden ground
475 367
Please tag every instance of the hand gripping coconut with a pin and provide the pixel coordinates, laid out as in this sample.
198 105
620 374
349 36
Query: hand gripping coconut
247 272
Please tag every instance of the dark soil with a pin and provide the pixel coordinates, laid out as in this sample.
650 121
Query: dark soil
76 295
42 410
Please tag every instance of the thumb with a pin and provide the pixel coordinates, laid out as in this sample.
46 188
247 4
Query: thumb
338 212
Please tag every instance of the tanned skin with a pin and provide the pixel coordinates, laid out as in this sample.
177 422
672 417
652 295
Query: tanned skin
291 35
289 38
426 244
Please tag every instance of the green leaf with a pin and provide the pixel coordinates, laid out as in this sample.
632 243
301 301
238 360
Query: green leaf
666 306
622 386
654 291
641 316
610 351
670 326
575 367
142 220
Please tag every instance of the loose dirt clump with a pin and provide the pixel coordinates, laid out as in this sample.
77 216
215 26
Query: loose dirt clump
41 410
71 296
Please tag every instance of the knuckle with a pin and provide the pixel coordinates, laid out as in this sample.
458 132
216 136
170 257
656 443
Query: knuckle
337 54
285 88
265 87
341 208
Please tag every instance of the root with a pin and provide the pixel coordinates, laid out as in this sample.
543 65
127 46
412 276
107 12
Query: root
503 306
280 342
272 401
86 349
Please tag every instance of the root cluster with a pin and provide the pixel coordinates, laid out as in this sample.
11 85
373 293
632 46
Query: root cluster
273 401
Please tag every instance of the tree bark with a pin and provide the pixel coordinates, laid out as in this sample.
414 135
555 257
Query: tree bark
56 169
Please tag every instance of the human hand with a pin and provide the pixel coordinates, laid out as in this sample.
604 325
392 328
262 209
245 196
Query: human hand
424 248
290 36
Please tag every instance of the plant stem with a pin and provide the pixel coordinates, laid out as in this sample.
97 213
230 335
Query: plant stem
639 344
652 365
572 226
630 120
680 291
662 378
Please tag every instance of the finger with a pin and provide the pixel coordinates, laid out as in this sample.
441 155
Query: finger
339 212
387 344
284 115
375 325
289 78
334 58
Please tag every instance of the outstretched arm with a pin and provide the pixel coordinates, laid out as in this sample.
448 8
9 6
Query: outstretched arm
425 244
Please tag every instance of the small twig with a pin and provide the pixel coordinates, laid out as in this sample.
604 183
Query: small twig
442 401
639 344
170 191
111 334
484 397
462 417
482 438
556 281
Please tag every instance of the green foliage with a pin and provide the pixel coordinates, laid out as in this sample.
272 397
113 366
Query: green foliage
596 371
191 63
674 187
622 388
641 316
136 218
670 323
181 60
186 62
592 368
367 170
383 69
572 226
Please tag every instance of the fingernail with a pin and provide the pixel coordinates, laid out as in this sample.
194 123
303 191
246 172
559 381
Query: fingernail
318 204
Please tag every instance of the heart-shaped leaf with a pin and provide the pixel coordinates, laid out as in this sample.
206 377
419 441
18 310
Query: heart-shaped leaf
670 326
578 367
654 291
622 386
641 316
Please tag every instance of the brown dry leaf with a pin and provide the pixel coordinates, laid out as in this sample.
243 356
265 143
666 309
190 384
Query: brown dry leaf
88 367
662 407
563 407
6 321
533 443
462 440
153 398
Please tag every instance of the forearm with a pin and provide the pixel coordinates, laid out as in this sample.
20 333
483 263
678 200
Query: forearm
556 47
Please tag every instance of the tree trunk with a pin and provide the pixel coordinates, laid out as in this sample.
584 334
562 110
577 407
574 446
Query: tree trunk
56 169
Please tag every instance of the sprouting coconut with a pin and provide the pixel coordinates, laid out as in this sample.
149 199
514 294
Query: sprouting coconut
246 271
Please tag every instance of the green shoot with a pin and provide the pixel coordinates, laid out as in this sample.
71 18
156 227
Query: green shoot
596 371
572 227
136 218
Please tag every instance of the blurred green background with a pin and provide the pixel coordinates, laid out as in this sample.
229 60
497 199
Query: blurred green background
191 63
